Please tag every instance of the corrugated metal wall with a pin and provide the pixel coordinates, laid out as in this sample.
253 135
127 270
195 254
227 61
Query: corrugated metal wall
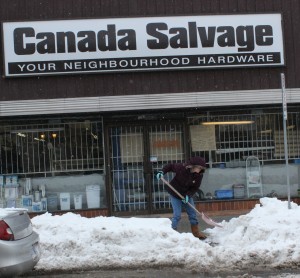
115 84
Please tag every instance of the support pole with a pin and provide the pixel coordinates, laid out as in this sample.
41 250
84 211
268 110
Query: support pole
284 113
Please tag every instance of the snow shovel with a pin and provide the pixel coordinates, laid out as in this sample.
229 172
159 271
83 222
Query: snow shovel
204 217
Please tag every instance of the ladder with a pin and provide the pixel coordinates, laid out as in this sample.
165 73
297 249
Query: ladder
253 177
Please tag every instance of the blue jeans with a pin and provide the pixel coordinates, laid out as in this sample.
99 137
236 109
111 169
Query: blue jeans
177 205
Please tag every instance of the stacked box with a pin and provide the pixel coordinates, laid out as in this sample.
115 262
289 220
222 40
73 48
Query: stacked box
11 191
36 206
238 191
27 202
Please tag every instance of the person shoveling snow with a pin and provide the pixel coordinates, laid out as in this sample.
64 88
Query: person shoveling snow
182 187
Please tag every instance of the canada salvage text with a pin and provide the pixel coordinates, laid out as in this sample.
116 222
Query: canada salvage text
142 63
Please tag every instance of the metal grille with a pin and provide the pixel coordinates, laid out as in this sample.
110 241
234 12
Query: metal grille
127 155
52 148
165 146
231 144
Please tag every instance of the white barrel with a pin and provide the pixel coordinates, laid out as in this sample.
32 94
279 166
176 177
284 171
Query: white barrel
65 201
93 196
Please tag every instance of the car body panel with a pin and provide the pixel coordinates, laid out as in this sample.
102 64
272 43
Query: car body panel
20 224
22 254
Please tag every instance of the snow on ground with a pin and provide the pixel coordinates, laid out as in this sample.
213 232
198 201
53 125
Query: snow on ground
266 238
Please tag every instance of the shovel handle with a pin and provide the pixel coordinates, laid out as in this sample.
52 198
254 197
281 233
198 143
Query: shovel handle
204 217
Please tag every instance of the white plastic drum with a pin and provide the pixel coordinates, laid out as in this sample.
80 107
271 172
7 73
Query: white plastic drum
93 196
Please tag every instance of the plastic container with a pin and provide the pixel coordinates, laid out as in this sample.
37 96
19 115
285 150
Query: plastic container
65 199
11 192
238 191
36 206
78 201
44 204
27 202
224 194
52 202
93 196
37 196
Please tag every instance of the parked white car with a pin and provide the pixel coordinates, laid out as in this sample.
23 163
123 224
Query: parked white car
19 244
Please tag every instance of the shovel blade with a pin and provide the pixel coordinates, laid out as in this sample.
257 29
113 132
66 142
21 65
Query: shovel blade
209 221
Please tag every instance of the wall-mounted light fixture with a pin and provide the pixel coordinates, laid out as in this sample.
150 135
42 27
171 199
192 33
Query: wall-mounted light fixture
21 134
43 136
228 123
54 135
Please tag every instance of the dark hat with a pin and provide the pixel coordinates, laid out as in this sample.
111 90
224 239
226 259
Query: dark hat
197 160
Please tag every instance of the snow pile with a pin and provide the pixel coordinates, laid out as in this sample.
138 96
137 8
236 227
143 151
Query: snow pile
267 237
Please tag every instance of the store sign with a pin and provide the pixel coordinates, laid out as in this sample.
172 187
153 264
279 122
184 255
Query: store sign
149 43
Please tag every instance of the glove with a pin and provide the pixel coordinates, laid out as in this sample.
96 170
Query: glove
159 175
185 200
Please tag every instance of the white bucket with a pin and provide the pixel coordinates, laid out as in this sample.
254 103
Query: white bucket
78 201
64 201
93 196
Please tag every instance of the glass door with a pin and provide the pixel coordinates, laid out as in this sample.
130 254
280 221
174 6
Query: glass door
127 168
136 154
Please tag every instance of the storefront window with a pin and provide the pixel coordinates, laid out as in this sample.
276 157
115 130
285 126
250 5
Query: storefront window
52 166
227 140
52 148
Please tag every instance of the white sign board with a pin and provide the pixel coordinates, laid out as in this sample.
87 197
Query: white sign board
203 138
146 43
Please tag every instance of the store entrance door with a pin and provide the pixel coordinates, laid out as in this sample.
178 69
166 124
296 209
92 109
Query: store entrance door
136 154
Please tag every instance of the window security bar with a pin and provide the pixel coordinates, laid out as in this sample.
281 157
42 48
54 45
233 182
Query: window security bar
52 148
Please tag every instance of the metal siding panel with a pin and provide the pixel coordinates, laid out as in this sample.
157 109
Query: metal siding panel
149 82
147 102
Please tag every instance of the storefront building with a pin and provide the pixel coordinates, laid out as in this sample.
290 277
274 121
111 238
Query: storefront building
97 95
